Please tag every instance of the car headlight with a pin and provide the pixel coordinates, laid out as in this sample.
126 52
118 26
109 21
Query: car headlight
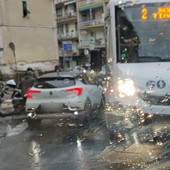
126 88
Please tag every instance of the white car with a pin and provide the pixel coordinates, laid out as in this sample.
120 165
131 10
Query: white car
63 94
77 69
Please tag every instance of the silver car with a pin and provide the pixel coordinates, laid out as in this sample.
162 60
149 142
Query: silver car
63 94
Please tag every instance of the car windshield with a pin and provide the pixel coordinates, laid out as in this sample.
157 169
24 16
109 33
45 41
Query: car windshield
143 33
85 85
54 82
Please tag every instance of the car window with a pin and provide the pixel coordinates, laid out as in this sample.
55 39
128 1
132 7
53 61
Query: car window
83 78
58 82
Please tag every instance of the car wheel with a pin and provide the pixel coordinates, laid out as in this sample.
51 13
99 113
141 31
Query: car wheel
33 123
87 109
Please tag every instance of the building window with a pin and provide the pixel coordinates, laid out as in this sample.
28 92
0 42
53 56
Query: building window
67 28
76 26
25 10
59 12
60 29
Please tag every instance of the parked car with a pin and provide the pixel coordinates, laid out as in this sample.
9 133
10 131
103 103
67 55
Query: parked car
63 94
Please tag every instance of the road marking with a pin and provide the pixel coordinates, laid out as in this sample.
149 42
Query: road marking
17 129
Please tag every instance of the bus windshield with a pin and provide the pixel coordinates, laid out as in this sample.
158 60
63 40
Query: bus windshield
142 33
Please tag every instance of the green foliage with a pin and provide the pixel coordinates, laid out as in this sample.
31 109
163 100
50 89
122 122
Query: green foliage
3 77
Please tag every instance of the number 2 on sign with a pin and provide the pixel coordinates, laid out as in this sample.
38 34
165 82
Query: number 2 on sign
144 14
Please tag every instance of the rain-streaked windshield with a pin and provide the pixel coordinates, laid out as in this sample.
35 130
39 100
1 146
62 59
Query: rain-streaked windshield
81 89
143 33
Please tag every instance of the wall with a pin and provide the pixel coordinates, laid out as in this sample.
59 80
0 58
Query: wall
34 36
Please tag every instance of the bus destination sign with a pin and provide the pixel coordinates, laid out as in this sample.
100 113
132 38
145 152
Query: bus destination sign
161 13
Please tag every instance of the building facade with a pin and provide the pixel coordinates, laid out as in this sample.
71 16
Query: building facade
91 34
80 25
67 31
27 35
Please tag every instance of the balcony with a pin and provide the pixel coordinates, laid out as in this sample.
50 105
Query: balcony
97 43
91 23
59 3
83 3
68 36
63 1
70 16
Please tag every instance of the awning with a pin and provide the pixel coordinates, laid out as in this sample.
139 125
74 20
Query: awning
90 7
70 2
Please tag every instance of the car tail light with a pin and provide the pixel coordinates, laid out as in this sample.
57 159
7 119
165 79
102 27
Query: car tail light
30 92
78 91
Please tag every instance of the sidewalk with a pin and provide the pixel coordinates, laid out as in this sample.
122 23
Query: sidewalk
10 120
3 126
5 121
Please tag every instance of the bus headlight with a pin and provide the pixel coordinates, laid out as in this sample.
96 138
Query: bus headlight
126 88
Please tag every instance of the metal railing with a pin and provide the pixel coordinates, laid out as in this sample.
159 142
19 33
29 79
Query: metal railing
91 23
87 43
87 2
60 1
67 16
68 35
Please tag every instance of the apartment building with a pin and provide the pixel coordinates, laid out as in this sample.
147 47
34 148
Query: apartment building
91 34
27 35
67 31
81 38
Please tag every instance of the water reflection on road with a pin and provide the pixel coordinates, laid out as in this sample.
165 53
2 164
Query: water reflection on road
62 145
91 148
148 147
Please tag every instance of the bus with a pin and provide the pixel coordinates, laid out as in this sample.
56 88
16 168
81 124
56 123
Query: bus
137 82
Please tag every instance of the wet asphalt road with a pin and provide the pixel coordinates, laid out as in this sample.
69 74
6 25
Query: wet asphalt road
54 145
60 145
